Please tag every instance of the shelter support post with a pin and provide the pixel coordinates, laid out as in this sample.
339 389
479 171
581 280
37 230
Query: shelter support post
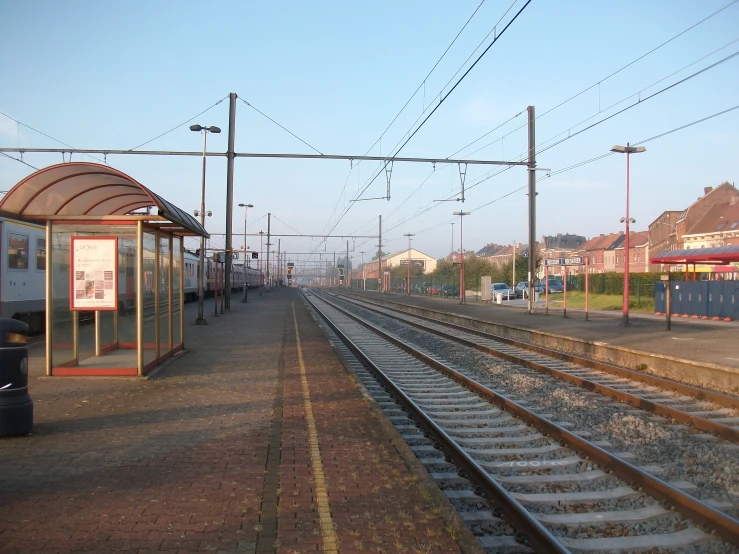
140 297
49 300
170 295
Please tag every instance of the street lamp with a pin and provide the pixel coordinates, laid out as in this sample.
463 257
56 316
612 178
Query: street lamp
261 254
246 207
461 257
409 235
628 150
201 292
452 241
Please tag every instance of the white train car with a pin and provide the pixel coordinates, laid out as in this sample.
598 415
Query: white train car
23 272
240 276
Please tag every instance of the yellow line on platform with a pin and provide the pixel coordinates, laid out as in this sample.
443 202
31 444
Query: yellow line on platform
330 541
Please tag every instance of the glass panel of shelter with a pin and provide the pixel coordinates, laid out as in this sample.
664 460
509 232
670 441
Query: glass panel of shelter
104 341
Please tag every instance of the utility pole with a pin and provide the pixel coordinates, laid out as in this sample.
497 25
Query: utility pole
531 168
409 235
379 260
347 271
269 277
279 260
363 283
230 196
514 266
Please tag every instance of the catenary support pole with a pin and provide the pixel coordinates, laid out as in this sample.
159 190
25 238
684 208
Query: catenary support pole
379 260
268 276
532 206
348 269
229 198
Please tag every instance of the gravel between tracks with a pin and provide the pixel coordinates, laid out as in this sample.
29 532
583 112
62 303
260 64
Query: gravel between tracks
713 467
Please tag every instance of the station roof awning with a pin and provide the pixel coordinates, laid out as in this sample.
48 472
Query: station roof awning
719 255
85 190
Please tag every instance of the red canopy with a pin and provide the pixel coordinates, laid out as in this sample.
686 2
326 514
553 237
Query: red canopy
720 255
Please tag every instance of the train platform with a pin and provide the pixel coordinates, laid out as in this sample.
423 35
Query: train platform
255 439
702 344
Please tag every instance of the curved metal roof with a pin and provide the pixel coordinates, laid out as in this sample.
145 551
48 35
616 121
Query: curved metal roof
89 189
717 255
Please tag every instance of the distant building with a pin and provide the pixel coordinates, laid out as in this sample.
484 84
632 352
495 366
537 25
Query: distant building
417 258
565 242
697 224
638 253
599 251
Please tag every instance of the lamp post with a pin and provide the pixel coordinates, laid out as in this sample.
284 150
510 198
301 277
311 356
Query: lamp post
409 235
201 262
461 257
246 207
261 253
628 150
452 241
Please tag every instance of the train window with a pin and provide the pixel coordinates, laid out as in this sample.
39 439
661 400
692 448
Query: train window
41 254
17 251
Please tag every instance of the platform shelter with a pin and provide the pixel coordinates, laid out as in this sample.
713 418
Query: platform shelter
114 268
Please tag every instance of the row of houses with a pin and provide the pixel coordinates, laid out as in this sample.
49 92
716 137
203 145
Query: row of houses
712 220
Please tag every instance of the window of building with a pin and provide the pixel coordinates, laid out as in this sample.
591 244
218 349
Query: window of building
41 254
17 251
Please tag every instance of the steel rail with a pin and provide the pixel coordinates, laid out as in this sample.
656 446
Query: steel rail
514 512
719 429
724 525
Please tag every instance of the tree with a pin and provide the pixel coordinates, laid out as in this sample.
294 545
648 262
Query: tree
384 255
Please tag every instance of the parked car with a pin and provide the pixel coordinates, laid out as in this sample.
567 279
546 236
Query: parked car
555 286
433 290
522 289
449 291
502 288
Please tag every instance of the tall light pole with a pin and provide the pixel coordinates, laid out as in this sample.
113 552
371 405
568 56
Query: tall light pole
201 262
261 254
452 241
364 285
628 150
461 257
246 207
409 235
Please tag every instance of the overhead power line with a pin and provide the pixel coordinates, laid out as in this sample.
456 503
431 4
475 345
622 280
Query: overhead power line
19 160
604 79
282 127
436 107
181 124
47 136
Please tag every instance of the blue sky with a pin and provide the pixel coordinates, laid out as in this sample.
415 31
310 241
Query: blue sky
114 75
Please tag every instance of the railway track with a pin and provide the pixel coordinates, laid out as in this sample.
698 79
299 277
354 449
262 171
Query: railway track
702 409
519 479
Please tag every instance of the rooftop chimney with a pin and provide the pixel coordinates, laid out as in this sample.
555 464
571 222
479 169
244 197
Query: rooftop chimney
706 190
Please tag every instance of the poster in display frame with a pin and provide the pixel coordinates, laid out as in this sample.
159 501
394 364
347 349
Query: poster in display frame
93 273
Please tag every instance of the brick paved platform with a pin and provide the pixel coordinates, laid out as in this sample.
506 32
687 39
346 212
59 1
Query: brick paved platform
248 442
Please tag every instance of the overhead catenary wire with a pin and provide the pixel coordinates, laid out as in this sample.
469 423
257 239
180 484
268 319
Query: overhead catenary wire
178 126
436 107
604 79
281 126
19 160
563 170
47 136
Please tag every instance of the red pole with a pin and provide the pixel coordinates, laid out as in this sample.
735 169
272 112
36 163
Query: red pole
626 245
461 262
564 292
546 288
587 285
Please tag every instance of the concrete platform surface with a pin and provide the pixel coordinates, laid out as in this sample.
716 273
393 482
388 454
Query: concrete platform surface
253 440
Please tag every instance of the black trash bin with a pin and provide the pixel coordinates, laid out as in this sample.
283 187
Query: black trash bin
16 406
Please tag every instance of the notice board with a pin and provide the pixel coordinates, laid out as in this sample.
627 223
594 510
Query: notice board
93 272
